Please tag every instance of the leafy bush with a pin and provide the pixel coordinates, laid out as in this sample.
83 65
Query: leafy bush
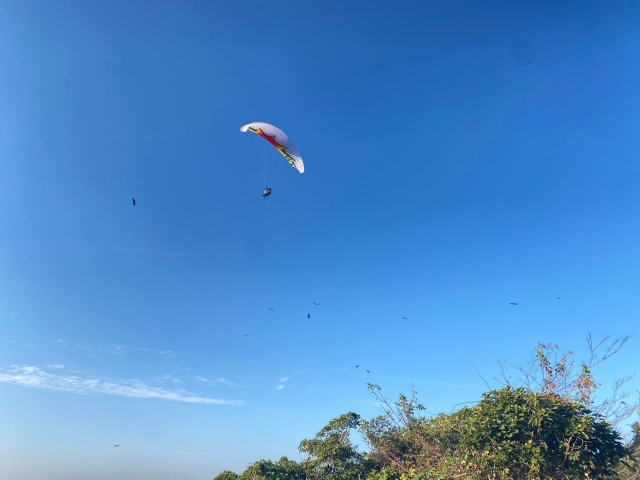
283 469
546 424
227 475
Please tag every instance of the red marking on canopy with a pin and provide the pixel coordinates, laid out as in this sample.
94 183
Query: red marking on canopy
270 139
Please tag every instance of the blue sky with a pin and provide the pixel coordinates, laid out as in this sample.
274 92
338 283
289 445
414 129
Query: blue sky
458 157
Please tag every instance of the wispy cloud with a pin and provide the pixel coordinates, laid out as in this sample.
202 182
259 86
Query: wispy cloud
166 378
279 387
171 354
229 383
283 379
218 382
55 366
117 349
29 376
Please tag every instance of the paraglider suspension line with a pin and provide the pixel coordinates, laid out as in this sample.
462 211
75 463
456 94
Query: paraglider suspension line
255 146
274 178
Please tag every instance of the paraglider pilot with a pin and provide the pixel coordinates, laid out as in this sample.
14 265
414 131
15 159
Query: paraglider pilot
267 192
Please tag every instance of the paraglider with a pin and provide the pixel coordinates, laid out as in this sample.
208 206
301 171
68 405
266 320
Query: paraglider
283 144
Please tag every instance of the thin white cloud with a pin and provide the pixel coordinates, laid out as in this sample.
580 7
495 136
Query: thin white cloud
171 354
29 376
279 387
283 379
229 383
166 378
55 366
118 349
218 382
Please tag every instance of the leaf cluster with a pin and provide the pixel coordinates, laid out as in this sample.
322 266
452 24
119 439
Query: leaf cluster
546 424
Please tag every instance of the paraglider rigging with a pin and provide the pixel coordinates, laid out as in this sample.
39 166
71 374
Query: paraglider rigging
282 143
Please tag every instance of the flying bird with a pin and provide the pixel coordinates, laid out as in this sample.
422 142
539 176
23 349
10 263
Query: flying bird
558 298
245 335
134 201
116 446
405 318
308 316
512 303
315 303
368 371
357 366
271 309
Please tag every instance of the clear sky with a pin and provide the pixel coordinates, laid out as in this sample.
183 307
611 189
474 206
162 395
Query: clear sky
459 156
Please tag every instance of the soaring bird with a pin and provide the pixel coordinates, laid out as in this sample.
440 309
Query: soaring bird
315 303
357 366
116 446
271 309
558 298
245 335
134 201
368 371
405 318
308 316
512 303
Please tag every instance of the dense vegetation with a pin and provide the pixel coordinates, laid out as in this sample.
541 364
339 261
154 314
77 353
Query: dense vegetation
545 424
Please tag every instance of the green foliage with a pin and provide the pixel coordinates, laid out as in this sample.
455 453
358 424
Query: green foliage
331 454
410 445
283 469
517 433
511 433
545 425
227 475
629 468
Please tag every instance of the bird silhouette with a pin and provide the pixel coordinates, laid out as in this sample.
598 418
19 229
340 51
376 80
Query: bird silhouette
116 446
405 318
368 371
245 335
308 316
134 201
315 303
512 303
558 298
271 309
357 366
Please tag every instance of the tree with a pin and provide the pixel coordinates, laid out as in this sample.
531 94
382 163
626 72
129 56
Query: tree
332 456
226 475
517 433
404 443
509 434
545 424
548 372
283 469
629 468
